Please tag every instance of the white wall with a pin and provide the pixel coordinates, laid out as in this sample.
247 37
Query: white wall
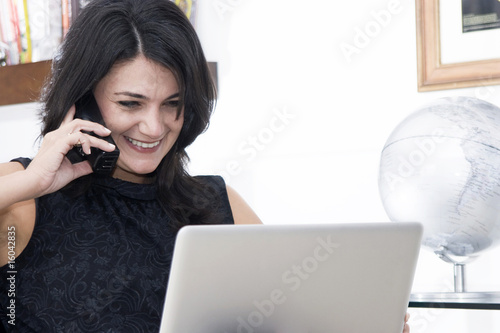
299 126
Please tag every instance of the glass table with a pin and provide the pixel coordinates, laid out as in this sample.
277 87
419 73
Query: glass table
456 300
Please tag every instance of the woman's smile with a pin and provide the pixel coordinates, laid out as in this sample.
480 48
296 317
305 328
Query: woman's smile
143 145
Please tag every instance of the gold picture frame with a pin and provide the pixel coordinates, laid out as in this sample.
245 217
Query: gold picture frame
432 74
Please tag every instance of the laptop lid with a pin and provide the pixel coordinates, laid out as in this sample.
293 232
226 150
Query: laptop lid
291 278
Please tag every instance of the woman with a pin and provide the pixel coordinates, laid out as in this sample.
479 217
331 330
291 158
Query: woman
92 252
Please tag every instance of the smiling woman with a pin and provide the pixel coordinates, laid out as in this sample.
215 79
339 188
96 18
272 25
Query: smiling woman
93 251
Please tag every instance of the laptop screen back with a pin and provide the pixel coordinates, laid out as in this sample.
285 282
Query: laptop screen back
291 278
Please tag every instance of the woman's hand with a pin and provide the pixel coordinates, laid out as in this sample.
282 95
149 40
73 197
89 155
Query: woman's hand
50 169
406 328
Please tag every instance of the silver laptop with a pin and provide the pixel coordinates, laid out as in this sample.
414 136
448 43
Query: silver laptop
291 278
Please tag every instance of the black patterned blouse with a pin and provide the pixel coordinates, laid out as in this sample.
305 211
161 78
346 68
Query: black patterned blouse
95 263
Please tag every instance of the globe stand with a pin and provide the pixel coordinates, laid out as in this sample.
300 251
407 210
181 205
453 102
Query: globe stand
458 267
459 298
459 277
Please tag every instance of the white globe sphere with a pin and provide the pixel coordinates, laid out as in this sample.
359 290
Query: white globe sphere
441 167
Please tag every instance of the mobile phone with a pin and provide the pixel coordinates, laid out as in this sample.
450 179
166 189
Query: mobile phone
102 162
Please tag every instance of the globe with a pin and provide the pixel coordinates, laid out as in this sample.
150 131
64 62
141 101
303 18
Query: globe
441 167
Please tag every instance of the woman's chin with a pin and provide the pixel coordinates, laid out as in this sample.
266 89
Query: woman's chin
136 173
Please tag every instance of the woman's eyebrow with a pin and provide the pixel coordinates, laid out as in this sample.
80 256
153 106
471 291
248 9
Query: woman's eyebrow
131 94
173 96
139 96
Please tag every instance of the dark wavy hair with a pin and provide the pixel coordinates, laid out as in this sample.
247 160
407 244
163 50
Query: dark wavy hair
107 32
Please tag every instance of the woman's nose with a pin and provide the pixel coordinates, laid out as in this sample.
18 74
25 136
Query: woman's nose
151 124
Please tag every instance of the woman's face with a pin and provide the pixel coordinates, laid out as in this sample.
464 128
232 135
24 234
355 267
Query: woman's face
138 101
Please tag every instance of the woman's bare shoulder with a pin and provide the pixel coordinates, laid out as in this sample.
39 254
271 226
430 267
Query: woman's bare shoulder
242 213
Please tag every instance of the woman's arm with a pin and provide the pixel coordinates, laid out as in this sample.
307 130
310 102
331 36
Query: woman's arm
242 213
16 185
17 215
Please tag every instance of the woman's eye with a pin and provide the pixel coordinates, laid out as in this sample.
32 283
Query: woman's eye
129 104
172 103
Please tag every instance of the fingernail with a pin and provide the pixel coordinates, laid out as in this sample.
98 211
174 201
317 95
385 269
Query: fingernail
107 129
112 145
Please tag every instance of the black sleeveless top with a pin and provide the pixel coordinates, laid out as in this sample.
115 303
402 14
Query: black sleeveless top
95 263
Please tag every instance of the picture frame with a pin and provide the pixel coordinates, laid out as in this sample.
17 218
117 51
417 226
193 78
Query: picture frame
432 74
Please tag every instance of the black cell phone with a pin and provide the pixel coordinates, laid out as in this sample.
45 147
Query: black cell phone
102 162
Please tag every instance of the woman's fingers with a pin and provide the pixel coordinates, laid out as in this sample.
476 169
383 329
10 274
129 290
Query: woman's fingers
69 116
80 125
77 133
406 328
72 124
86 141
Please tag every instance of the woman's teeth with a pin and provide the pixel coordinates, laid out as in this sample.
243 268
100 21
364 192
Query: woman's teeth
143 144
